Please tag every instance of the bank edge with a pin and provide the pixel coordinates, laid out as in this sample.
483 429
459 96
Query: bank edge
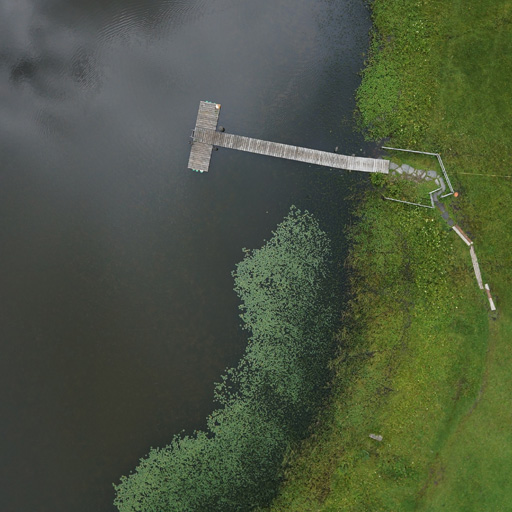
422 360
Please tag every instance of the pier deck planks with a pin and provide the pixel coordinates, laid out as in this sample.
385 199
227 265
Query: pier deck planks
205 137
201 153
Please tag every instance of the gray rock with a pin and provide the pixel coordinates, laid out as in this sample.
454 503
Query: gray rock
407 168
376 437
432 174
399 170
393 166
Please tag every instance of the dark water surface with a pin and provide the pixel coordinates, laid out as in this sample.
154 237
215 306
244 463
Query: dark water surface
117 311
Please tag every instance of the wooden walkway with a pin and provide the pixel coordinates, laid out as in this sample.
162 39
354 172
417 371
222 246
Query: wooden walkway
205 137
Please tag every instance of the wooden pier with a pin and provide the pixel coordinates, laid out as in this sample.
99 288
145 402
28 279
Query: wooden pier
200 153
205 137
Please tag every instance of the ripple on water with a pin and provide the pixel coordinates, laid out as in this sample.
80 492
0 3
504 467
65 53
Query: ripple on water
118 292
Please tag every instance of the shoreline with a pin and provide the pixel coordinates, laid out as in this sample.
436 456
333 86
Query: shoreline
422 361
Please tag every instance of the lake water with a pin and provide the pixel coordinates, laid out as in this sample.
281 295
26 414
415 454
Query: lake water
117 311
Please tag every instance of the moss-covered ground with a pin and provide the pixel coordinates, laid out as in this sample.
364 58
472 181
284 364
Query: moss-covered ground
422 360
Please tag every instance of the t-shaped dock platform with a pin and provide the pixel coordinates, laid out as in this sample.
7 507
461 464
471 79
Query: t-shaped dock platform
205 136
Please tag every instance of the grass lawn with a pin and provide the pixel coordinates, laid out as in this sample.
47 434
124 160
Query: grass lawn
422 360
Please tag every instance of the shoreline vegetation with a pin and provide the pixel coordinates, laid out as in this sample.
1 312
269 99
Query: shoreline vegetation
269 399
422 362
416 402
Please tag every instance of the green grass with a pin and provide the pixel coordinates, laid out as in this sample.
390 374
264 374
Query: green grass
405 371
405 188
422 361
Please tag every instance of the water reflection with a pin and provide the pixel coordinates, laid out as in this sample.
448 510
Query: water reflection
117 310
